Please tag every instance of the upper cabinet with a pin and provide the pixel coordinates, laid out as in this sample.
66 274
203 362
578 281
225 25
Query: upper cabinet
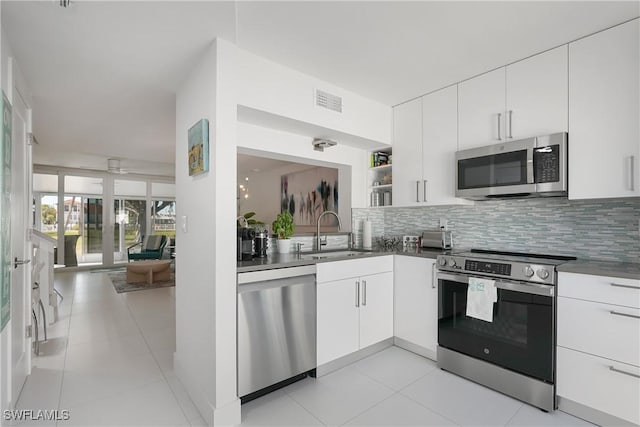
407 153
439 145
481 110
425 143
524 99
604 111
537 95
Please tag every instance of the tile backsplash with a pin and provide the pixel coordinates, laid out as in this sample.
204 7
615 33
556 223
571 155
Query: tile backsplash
605 229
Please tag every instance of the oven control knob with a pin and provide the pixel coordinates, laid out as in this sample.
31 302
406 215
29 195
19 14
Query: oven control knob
542 273
442 261
452 262
528 271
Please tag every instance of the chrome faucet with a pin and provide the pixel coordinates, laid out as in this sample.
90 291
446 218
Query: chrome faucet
318 239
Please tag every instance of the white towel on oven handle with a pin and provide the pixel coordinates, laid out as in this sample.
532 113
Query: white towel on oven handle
481 294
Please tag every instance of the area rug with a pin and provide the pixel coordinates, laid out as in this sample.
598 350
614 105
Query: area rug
119 281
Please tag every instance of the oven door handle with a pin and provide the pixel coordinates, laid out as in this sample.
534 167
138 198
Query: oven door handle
527 288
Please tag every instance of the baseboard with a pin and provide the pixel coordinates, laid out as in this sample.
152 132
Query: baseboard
415 348
334 365
225 415
589 414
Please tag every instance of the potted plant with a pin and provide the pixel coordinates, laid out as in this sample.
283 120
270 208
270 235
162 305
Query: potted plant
284 227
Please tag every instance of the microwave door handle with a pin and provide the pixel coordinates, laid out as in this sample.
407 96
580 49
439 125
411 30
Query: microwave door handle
530 165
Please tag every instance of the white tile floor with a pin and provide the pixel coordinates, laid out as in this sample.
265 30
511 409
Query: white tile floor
109 360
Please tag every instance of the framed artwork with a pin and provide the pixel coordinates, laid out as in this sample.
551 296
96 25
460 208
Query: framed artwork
199 148
306 194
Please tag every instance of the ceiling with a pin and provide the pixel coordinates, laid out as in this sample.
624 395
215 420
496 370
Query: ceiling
104 74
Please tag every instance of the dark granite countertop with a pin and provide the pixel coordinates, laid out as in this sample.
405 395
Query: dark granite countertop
622 270
276 260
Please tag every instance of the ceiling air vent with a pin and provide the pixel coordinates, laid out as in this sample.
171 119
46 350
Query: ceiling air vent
328 101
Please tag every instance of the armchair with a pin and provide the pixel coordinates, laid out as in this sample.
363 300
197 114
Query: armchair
151 247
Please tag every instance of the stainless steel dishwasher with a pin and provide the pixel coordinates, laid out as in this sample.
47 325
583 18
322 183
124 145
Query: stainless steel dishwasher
276 328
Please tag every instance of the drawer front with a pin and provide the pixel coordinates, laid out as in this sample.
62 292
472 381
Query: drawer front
338 270
590 380
609 290
604 330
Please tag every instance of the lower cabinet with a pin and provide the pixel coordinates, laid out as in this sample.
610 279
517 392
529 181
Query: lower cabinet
416 303
355 312
598 353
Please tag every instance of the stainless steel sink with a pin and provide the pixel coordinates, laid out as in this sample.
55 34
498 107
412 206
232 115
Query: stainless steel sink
333 254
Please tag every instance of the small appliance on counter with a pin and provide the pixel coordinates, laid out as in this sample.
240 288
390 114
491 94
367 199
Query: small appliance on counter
439 239
261 243
245 243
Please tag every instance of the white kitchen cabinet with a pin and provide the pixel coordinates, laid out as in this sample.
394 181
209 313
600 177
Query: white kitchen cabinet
598 383
407 153
524 99
338 325
604 106
416 303
424 152
599 334
439 145
376 308
481 110
354 306
537 95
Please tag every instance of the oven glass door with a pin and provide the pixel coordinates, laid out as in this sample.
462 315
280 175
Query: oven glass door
495 170
520 337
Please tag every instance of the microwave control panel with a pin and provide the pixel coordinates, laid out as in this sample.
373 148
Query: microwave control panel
546 164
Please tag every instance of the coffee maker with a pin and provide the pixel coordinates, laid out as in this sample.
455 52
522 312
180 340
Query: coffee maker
261 243
245 243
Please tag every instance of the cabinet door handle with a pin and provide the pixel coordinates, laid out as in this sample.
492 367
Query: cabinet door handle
617 313
418 191
632 184
618 285
509 121
620 371
357 293
364 292
499 135
433 275
424 190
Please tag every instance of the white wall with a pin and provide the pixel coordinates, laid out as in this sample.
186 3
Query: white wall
205 267
273 88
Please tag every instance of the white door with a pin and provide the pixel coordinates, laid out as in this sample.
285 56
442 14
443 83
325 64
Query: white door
338 325
604 106
481 102
439 145
416 302
376 308
407 153
20 273
537 95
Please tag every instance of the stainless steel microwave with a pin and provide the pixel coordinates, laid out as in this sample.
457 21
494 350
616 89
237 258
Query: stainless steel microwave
532 167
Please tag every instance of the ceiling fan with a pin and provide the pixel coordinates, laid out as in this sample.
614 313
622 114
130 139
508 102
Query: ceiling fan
113 166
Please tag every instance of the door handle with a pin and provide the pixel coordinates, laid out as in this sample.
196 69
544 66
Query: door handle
433 275
632 184
418 191
357 293
509 113
424 190
499 135
17 262
364 292
617 313
620 371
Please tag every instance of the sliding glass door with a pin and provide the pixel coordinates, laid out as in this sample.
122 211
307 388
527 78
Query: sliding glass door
130 206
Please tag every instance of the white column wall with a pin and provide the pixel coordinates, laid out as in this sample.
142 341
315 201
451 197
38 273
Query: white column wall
205 358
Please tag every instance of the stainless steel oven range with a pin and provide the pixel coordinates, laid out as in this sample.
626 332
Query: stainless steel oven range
512 349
